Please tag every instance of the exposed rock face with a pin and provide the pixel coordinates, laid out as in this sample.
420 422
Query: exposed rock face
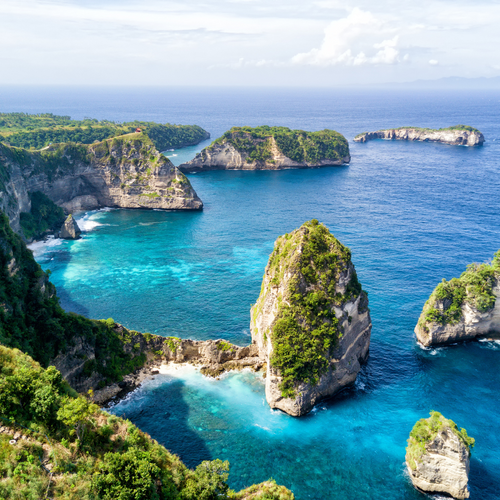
463 308
311 320
70 229
125 172
271 148
438 456
214 357
445 136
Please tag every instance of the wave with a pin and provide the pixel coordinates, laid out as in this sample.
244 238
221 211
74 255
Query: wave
40 247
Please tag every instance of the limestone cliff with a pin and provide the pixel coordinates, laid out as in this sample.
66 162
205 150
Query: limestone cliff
125 172
459 135
463 308
271 148
311 321
438 455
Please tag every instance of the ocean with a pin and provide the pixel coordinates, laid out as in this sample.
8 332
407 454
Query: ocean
412 214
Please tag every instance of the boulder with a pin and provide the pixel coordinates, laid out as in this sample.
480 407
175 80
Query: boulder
438 455
70 229
311 322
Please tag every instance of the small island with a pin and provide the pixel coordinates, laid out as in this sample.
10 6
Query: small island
311 322
458 135
438 455
271 148
463 308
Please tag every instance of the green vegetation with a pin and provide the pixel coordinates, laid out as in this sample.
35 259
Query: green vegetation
298 145
44 216
268 490
475 287
426 430
173 343
224 346
306 329
38 131
91 454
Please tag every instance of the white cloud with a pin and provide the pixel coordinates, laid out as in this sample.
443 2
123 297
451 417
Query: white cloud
433 62
354 40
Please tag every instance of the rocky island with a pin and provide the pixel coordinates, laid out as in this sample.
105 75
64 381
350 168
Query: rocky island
463 308
458 135
271 148
438 455
311 322
126 172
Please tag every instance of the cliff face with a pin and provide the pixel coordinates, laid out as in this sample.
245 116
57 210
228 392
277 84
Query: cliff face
271 148
124 172
463 308
438 456
446 136
311 322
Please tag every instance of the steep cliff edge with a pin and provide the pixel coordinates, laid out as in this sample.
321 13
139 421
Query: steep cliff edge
56 444
124 172
463 308
438 455
311 321
459 135
271 148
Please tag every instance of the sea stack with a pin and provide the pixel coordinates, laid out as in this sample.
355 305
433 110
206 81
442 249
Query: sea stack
271 148
463 308
70 229
438 455
311 321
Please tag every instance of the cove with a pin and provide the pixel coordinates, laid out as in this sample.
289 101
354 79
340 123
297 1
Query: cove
412 213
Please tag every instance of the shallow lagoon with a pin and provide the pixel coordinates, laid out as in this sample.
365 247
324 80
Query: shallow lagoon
411 214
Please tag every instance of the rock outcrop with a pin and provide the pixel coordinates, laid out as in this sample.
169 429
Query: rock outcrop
311 321
456 136
213 357
438 455
124 172
463 308
70 229
271 148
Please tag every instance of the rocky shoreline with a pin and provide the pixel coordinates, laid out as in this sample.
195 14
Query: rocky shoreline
451 136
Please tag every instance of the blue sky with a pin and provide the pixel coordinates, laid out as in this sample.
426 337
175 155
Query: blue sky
246 42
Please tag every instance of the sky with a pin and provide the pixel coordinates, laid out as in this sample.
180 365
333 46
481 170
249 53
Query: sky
246 42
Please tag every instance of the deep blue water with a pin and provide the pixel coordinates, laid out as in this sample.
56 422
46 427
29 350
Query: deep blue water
411 214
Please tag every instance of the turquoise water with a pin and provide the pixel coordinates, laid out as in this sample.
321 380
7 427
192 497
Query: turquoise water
411 214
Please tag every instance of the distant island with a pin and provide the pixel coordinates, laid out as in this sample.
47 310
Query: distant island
36 131
271 148
458 135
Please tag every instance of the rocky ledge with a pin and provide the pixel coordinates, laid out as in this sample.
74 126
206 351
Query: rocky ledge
213 357
438 455
124 172
463 308
271 148
460 135
311 322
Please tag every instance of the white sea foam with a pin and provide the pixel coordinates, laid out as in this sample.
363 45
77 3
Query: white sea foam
40 247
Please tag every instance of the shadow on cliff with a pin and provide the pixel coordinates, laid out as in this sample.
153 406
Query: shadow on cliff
163 413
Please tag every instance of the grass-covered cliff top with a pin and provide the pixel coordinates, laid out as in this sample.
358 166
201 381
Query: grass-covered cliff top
298 145
37 131
423 129
475 287
306 328
426 430
76 451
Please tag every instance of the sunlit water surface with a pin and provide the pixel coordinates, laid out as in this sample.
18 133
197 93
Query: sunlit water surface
411 213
